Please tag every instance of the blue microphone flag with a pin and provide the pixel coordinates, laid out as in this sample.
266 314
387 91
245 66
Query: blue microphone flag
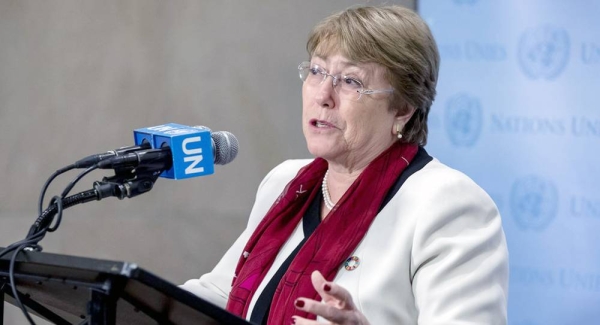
191 148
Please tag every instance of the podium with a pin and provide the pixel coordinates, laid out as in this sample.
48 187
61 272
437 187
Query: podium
76 290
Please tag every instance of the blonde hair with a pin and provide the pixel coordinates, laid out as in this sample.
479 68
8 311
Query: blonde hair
399 40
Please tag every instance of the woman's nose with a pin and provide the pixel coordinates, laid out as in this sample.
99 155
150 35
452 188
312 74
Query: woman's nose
326 92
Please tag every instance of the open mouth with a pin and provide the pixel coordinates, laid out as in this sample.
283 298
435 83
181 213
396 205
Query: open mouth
320 124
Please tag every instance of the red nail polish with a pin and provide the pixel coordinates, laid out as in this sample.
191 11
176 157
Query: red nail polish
299 303
327 287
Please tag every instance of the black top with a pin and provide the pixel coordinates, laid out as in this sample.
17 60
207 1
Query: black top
310 221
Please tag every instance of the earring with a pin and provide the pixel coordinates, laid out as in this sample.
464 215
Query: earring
398 131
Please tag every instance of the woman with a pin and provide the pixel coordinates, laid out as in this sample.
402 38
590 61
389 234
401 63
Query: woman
374 230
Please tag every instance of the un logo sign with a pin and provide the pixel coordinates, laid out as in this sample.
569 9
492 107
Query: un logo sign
533 202
463 120
543 52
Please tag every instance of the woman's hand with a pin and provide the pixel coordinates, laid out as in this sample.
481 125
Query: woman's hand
337 305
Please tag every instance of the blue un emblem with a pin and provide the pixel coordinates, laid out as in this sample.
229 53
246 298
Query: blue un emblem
533 202
543 52
463 120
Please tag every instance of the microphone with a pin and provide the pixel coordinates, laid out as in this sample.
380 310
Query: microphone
193 150
225 147
153 159
91 160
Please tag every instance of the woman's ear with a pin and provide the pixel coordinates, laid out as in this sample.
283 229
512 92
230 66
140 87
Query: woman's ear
401 119
403 115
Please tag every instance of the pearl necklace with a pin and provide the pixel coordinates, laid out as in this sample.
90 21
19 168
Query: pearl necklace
326 198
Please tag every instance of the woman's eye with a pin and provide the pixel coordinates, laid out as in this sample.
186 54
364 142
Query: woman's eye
315 70
352 82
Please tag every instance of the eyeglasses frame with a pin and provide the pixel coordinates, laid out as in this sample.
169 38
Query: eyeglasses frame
363 91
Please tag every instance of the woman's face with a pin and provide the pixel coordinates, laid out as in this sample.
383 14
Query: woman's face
340 129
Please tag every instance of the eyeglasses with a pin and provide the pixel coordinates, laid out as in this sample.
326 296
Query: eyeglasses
348 87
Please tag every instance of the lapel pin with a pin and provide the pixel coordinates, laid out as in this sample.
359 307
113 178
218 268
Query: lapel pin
351 263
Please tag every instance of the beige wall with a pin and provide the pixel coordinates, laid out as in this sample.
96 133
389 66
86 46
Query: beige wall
76 77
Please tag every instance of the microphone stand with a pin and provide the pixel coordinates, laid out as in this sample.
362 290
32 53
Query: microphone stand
126 183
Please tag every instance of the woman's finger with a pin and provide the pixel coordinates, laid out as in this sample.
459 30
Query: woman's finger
330 312
331 292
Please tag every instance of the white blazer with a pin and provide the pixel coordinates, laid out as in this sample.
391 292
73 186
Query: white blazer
435 254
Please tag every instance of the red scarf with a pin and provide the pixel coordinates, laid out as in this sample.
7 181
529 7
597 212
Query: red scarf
333 241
